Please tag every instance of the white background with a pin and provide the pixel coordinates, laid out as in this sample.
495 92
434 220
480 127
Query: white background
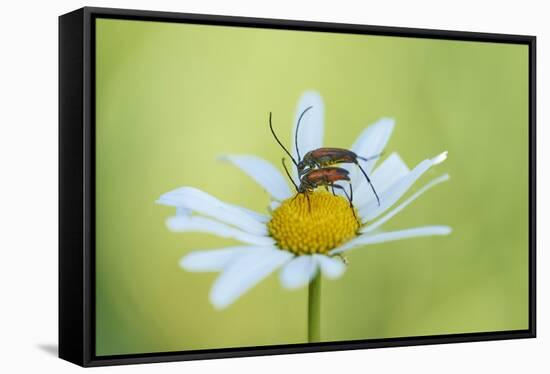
28 184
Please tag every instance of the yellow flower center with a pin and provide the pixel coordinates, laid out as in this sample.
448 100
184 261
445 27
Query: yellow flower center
315 227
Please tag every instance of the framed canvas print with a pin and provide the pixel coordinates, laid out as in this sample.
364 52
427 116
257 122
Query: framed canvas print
236 186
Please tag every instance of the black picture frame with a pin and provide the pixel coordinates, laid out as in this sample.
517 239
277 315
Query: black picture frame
77 181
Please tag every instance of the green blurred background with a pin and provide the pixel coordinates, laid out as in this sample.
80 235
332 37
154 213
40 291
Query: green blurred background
171 98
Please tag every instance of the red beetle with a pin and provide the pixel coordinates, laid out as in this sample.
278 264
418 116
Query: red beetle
321 158
325 177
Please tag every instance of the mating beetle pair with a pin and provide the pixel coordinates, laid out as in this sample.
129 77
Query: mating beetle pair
315 170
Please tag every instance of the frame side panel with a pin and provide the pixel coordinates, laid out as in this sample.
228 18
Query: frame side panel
71 255
533 186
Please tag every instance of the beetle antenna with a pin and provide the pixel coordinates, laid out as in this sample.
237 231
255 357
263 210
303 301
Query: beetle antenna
370 183
281 144
288 174
296 132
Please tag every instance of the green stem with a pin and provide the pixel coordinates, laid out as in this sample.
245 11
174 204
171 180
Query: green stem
314 310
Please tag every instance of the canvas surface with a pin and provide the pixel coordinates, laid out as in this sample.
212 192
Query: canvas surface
172 98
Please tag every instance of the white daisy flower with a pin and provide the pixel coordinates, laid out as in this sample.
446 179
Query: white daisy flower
299 239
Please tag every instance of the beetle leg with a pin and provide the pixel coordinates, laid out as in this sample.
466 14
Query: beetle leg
370 183
348 196
370 157
333 185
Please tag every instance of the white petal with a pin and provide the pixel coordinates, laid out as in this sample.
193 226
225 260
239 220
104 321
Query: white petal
392 235
205 204
264 218
210 226
373 140
244 273
263 172
274 205
405 203
370 143
389 197
311 131
298 272
213 259
331 268
440 158
183 211
390 171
